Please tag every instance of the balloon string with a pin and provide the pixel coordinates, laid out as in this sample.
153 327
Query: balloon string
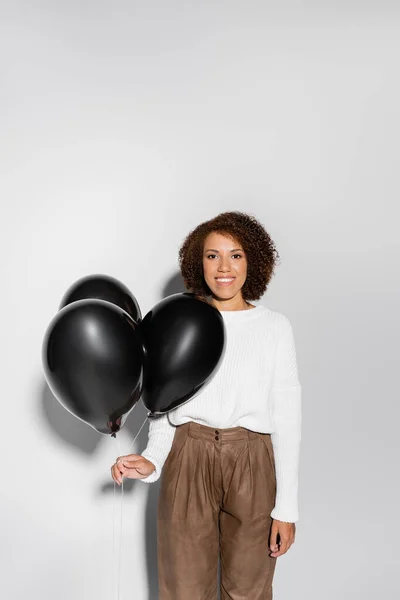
119 559
113 553
134 439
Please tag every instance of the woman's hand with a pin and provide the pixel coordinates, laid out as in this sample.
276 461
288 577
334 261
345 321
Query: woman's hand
132 466
287 533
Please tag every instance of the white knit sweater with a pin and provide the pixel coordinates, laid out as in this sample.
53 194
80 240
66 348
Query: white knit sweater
256 386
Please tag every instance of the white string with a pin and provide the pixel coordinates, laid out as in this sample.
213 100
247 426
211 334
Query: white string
113 545
119 560
134 439
120 528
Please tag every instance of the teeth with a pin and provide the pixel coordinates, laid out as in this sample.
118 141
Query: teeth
225 279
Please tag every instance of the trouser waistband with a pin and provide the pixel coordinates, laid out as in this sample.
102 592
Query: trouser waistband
225 434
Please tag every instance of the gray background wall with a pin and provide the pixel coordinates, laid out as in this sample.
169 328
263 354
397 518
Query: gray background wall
123 125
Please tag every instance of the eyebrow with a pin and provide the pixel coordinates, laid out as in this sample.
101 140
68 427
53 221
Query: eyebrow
214 250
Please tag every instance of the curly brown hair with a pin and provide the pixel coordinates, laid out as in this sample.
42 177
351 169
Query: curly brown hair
262 255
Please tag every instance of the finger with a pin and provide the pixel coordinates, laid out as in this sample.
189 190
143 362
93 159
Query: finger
117 474
133 474
283 548
132 464
124 471
120 460
121 467
273 543
113 474
131 461
135 471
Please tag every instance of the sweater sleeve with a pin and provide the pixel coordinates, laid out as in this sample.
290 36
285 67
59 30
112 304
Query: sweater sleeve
160 438
286 406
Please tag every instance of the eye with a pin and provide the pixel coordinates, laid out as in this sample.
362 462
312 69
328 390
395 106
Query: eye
211 255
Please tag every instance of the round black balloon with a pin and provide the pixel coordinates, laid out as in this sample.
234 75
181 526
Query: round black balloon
93 362
103 287
184 340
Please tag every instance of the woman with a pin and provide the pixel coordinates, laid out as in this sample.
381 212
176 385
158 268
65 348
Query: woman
230 455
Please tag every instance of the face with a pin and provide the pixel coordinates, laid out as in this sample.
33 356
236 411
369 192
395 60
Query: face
224 266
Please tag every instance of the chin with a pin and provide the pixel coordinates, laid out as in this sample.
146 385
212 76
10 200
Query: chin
224 294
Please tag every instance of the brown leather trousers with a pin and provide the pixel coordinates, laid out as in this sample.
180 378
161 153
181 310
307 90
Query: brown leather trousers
217 491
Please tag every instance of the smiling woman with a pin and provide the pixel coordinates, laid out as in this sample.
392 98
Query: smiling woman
229 456
230 258
224 267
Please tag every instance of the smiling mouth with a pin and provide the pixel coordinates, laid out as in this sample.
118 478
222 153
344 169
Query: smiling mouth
224 280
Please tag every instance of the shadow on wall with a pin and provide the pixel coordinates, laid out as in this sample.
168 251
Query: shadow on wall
74 432
174 285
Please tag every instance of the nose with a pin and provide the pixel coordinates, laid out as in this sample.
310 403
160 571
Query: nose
224 267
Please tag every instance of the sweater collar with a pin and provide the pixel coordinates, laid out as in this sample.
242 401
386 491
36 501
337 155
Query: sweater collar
239 316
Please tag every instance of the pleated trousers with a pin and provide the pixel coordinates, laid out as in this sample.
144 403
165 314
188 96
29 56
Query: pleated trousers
217 491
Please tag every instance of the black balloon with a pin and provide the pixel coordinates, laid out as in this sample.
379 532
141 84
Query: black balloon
184 340
93 362
103 287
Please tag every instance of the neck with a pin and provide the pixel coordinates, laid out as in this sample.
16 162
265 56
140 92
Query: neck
231 304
